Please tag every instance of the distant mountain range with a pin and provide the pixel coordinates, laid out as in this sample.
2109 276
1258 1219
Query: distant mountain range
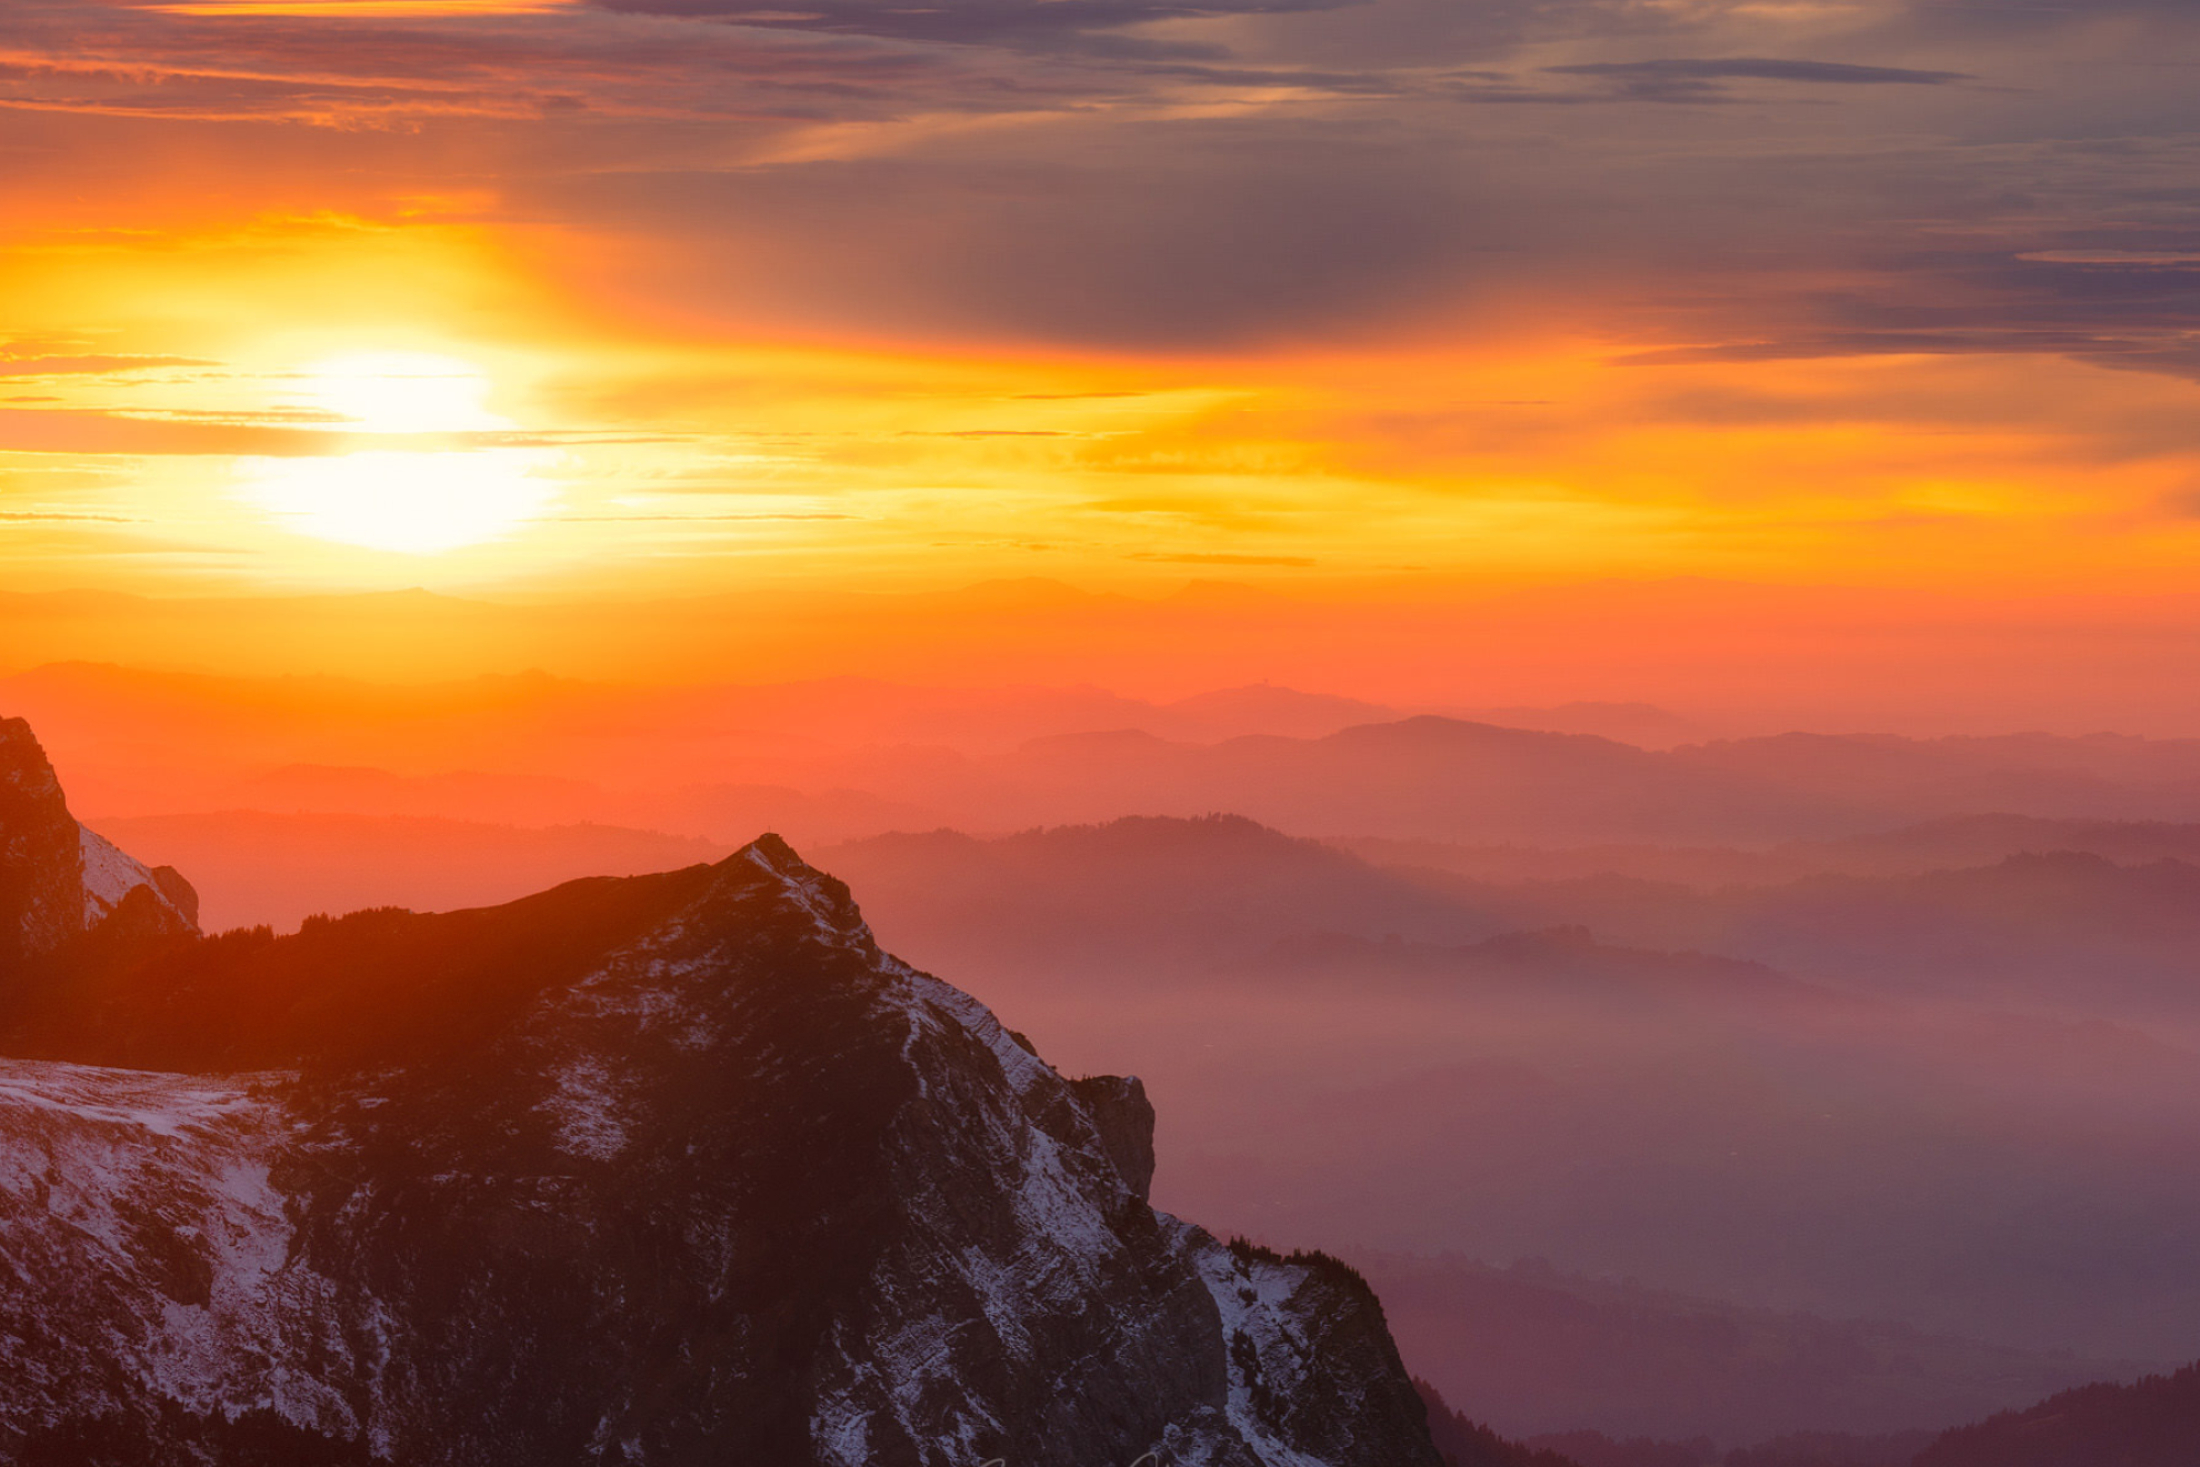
838 759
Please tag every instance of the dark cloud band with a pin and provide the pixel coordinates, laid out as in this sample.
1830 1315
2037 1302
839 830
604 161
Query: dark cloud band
1753 68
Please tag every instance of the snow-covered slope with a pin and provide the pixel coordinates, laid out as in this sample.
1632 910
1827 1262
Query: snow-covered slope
110 875
734 1186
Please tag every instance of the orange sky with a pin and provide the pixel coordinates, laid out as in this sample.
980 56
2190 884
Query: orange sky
668 298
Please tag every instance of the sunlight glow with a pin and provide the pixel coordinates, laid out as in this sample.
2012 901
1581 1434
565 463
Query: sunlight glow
403 392
417 502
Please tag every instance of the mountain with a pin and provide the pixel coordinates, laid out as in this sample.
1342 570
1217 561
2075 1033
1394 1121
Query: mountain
2027 773
1641 724
1955 842
1420 778
1963 841
1135 894
675 1168
2150 1423
59 880
1431 778
1262 708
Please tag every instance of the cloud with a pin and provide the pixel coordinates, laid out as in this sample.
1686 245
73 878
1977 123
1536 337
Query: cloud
1693 79
1189 558
76 430
1759 69
1879 343
91 365
562 67
46 430
1174 175
2117 259
1031 24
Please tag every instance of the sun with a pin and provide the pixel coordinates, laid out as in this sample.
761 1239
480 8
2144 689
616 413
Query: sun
414 500
403 392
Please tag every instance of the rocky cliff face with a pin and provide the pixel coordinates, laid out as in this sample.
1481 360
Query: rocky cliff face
679 1170
58 879
41 859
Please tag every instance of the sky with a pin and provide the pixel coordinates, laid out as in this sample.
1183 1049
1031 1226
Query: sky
1355 302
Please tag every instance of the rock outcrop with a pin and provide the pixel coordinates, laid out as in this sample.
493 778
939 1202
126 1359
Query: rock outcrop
58 879
41 851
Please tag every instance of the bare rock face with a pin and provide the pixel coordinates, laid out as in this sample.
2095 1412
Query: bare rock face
58 879
41 856
676 1170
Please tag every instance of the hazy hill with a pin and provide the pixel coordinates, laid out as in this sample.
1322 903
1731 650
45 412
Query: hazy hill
1984 840
2151 1423
1641 724
1974 771
1428 778
1441 779
1950 843
1533 1351
1127 896
2067 932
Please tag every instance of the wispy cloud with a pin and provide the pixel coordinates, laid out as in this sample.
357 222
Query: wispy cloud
1696 79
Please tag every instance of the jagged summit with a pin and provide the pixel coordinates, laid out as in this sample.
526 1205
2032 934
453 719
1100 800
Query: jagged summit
58 879
668 1170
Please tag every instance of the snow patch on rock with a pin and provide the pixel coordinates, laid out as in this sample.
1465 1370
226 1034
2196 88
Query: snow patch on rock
110 874
589 1110
139 1214
1263 1327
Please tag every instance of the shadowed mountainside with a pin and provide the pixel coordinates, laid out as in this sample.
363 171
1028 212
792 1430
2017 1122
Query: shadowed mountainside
2150 1423
682 1158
